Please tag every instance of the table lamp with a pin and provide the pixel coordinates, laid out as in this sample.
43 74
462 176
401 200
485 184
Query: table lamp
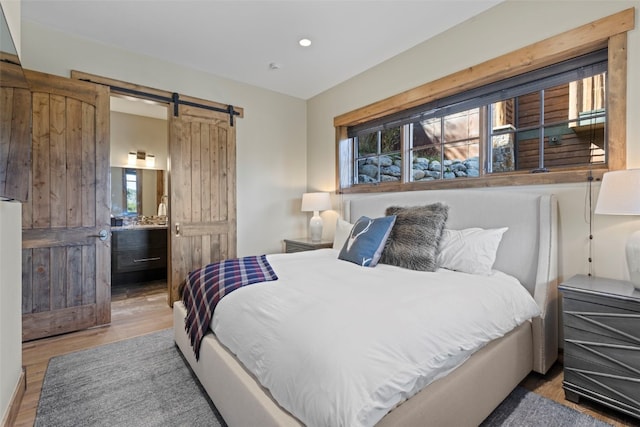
620 195
315 202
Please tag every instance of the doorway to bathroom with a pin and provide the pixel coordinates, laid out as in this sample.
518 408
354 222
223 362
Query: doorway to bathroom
139 188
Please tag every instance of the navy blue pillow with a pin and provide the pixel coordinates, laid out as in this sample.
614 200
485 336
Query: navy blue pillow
366 241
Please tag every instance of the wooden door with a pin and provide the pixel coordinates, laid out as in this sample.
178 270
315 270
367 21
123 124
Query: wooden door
202 185
15 129
65 265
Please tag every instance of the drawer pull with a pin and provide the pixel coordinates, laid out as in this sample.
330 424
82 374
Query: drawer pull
156 258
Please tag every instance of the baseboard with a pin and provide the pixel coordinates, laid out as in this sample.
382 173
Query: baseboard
16 400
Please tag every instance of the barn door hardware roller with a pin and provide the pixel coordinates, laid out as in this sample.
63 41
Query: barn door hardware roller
175 99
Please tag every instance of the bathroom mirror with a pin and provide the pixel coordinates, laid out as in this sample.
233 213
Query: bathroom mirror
136 192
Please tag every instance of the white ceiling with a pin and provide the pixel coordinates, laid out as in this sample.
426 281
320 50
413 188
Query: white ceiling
239 39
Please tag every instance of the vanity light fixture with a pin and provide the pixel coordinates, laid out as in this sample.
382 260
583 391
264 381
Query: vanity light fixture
148 160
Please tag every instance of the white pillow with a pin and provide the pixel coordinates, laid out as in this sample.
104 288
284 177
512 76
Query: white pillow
472 250
343 229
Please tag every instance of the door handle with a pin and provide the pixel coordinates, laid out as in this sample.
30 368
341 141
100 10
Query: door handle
177 229
102 235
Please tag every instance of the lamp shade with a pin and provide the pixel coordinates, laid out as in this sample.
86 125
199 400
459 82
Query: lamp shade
312 202
619 193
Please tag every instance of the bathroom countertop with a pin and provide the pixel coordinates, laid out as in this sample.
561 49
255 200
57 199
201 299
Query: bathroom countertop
138 227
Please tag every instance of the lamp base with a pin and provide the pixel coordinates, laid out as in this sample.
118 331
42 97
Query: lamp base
633 258
315 227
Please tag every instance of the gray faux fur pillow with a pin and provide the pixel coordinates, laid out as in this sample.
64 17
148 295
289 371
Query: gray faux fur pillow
415 237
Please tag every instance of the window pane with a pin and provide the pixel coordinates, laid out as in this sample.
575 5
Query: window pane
390 140
390 168
386 168
573 136
374 166
461 160
346 151
502 150
528 150
461 126
427 132
131 186
503 114
461 148
556 104
587 118
563 147
571 146
367 171
425 153
597 144
425 164
367 144
528 107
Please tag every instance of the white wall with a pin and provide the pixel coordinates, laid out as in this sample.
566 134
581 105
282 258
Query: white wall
10 297
11 9
271 138
129 132
507 27
282 151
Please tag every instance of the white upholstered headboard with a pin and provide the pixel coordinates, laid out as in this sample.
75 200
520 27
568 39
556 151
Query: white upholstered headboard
528 251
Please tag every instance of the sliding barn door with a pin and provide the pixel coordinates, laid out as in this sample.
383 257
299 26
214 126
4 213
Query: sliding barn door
202 206
66 245
15 130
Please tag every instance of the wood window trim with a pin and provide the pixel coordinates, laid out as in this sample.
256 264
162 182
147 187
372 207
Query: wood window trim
609 32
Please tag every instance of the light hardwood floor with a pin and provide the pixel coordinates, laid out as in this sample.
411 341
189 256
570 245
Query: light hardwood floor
140 310
133 313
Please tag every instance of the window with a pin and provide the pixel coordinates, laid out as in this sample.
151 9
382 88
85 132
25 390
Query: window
131 192
445 147
547 119
379 156
551 112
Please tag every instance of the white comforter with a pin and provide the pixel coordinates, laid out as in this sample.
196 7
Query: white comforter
338 344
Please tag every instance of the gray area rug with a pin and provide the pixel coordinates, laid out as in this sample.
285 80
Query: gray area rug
144 381
523 408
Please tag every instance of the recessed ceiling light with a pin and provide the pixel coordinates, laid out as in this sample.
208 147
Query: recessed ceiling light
274 66
304 42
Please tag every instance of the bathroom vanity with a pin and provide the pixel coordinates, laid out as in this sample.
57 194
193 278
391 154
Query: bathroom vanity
138 253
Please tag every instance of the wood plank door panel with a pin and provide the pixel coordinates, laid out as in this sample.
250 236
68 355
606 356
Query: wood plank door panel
15 127
202 206
66 267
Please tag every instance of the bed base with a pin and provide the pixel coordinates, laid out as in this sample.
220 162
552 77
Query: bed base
465 397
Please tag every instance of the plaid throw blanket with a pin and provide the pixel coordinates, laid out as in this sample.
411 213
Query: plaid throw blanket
206 286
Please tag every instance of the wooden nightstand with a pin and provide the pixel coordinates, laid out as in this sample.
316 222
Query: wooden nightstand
305 244
602 342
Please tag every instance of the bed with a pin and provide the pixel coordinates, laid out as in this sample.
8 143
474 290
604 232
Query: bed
469 392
